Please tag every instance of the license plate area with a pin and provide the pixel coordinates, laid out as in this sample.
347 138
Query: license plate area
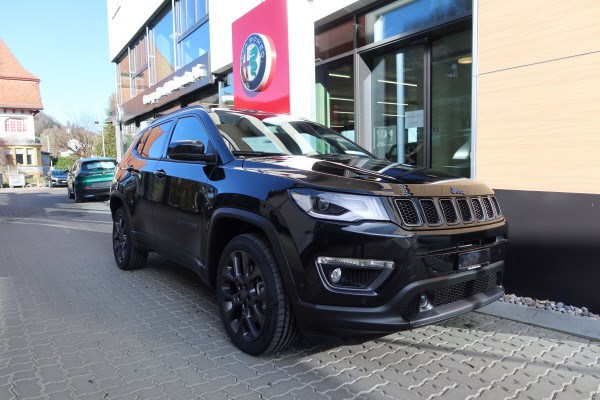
473 260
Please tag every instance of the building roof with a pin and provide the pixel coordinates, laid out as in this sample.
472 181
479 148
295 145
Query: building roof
19 88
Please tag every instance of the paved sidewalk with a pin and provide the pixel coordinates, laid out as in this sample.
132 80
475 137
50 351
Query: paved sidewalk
74 326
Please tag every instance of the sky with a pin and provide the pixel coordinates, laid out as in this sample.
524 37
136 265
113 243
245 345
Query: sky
65 44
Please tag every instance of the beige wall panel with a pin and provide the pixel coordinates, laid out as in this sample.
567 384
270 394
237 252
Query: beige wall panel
538 127
517 32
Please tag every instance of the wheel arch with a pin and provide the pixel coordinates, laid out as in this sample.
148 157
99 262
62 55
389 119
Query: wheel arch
226 223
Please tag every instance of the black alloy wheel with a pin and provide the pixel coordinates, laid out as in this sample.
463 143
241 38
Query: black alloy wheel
126 255
254 308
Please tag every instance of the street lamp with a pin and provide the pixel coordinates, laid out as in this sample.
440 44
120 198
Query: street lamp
102 132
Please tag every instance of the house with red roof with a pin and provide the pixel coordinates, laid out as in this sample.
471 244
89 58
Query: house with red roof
20 100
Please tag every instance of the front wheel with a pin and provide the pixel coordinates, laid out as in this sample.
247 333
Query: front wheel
126 255
254 308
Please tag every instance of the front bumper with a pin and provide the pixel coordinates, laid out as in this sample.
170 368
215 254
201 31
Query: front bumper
471 289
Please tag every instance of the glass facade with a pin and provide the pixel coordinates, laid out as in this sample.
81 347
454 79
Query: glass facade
398 103
451 103
411 15
163 47
411 100
155 55
335 96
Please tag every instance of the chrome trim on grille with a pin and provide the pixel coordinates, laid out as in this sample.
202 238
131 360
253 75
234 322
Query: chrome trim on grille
417 212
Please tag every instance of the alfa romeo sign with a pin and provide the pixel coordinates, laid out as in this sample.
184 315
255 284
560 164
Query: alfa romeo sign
257 62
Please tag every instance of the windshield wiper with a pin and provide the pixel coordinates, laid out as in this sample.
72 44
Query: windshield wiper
335 156
244 153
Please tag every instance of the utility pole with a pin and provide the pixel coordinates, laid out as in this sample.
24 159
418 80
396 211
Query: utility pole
102 133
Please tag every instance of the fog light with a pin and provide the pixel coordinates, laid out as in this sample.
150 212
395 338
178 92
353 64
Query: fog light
336 275
341 273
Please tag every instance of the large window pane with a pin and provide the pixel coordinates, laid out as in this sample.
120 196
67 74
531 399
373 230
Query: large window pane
335 96
124 79
451 104
335 41
163 46
398 107
195 44
410 15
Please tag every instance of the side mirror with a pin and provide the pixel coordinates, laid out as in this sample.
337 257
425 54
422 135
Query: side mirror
190 150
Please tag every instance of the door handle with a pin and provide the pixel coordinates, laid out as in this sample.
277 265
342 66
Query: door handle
160 173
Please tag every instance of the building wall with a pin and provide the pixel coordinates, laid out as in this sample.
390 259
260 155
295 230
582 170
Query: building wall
29 134
538 138
538 125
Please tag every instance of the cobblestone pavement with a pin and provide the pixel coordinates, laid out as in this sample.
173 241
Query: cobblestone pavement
74 326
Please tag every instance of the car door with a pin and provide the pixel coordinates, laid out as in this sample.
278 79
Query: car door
140 186
180 216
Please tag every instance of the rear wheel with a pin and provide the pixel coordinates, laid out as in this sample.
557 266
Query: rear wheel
254 307
70 194
126 255
77 196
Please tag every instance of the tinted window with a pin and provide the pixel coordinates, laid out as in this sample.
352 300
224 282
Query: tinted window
98 165
190 128
152 142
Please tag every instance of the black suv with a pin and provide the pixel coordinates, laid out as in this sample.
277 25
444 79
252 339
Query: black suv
299 228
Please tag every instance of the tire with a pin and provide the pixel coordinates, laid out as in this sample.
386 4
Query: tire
76 196
254 308
70 194
126 255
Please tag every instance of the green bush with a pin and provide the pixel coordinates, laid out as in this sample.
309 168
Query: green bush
65 162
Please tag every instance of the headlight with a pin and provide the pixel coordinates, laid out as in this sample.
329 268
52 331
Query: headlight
340 206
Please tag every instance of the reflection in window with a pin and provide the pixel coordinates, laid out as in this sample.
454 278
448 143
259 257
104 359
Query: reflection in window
190 12
398 106
194 45
335 41
190 128
410 15
162 47
335 96
139 66
152 142
123 79
451 104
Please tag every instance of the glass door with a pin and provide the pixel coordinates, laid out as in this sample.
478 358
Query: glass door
398 118
451 104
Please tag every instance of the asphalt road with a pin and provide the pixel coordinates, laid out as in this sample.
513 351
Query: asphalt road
74 326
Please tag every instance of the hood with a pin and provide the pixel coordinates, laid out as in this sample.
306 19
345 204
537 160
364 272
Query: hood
368 174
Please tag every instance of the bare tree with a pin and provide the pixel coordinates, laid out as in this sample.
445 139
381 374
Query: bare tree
81 140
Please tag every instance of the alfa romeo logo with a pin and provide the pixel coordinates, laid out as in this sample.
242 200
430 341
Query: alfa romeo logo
256 62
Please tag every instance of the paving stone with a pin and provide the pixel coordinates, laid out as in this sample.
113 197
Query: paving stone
156 333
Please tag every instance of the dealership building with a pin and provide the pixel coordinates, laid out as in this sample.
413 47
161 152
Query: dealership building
505 92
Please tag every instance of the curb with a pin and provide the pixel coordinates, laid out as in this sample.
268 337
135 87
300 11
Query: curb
578 326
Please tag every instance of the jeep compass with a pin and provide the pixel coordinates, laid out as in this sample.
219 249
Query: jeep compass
299 229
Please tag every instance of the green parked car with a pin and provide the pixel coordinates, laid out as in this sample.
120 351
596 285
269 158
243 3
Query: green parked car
90 178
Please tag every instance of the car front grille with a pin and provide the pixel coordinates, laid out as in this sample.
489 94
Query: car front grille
450 294
436 212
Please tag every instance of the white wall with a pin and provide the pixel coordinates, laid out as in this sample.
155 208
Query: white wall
222 13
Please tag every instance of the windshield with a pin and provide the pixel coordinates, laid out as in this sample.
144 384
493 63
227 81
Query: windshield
249 135
59 172
98 165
